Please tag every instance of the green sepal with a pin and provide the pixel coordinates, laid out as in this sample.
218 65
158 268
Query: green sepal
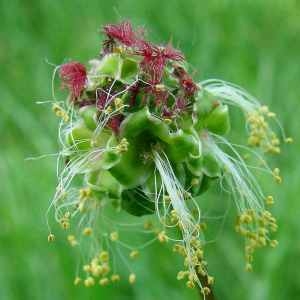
129 69
195 165
111 65
136 203
88 114
142 122
204 104
131 170
211 167
181 146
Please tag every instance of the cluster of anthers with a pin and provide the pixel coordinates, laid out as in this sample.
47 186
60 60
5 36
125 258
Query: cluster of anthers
140 144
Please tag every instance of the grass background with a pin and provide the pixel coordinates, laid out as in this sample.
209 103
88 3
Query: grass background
252 43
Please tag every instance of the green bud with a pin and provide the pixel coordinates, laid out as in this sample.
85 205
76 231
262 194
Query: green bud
80 136
218 120
88 114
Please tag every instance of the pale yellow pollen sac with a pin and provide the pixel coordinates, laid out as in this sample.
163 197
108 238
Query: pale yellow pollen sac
182 274
269 200
51 237
123 146
167 121
105 269
190 284
89 281
60 112
276 175
195 182
87 231
104 281
72 240
205 290
77 280
115 278
108 110
104 256
114 236
249 267
132 278
85 193
119 104
148 225
160 87
96 270
65 224
162 237
289 140
134 254
210 280
273 243
86 268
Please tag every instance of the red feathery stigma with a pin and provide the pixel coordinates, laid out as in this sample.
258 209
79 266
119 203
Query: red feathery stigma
122 32
155 59
73 76
102 99
114 123
186 82
180 103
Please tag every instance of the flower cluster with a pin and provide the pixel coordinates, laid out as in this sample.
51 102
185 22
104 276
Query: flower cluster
141 139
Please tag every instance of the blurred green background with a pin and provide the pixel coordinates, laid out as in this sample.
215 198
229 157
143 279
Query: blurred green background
255 44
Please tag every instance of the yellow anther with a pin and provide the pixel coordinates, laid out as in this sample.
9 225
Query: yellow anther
248 267
114 236
87 231
160 87
85 193
210 280
182 274
132 278
162 237
65 224
167 121
271 115
123 146
190 284
195 182
105 269
108 110
104 256
51 237
148 225
90 281
274 243
269 200
72 240
60 112
104 281
289 140
205 291
87 268
119 104
96 270
77 280
115 277
134 254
